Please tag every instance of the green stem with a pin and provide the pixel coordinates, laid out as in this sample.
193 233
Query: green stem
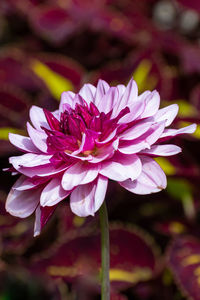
105 253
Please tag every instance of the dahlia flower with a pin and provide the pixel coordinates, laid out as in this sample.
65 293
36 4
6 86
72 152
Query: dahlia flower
100 133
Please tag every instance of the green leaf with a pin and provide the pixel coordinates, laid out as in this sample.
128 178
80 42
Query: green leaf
4 131
166 165
186 109
141 73
55 82
179 188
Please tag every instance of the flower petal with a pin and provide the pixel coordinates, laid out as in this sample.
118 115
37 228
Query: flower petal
53 193
130 95
109 99
25 183
87 92
167 113
155 132
29 160
86 199
151 180
38 138
152 103
122 167
43 170
100 192
101 90
22 203
169 133
42 215
131 147
37 223
162 150
136 109
135 131
23 143
79 173
38 118
67 100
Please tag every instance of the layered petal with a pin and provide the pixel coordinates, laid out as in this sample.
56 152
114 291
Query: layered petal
79 173
152 103
151 180
53 193
167 114
101 90
86 199
162 150
67 101
130 95
38 138
135 131
169 133
29 160
87 92
38 118
122 167
22 203
136 109
23 143
25 183
42 215
109 100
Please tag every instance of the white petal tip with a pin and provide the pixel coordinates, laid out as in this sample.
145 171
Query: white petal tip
193 128
36 233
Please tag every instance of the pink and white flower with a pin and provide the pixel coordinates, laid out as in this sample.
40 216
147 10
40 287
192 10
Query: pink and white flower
98 134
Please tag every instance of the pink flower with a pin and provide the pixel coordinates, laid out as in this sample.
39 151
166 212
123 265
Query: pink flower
98 134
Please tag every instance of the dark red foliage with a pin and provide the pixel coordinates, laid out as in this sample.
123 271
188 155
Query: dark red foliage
50 45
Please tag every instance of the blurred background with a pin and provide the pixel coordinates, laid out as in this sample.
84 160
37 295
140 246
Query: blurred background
51 46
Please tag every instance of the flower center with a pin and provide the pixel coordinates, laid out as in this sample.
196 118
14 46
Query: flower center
81 130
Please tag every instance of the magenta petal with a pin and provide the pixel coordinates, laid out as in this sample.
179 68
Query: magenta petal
79 173
53 193
86 199
122 167
52 121
38 138
22 203
108 138
23 143
89 141
42 215
151 180
162 150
